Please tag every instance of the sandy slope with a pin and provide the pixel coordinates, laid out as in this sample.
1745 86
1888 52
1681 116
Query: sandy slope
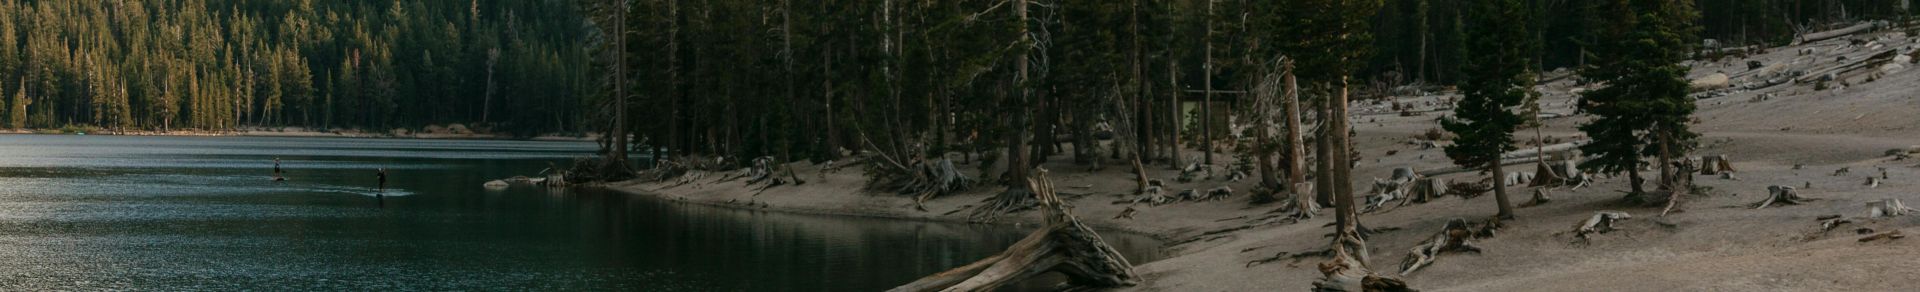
1714 244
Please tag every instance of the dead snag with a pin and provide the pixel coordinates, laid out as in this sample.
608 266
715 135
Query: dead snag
1454 237
1783 195
1065 245
1889 207
1889 235
1601 222
1540 197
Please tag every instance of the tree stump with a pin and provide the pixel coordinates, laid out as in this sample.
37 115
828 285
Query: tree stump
1783 195
1065 245
1539 198
1889 207
1454 237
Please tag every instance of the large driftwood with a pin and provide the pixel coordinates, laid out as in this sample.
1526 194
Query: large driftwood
1872 61
1454 237
1845 31
1065 245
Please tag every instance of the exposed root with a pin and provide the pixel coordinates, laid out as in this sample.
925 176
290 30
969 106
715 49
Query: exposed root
1065 245
1454 237
1783 195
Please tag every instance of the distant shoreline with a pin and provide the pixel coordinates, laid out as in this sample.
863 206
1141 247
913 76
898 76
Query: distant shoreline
311 134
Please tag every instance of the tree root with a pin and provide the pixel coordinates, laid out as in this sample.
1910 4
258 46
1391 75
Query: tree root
1454 237
1783 195
1066 246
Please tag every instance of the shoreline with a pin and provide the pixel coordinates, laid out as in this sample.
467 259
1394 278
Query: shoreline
311 134
873 214
1022 219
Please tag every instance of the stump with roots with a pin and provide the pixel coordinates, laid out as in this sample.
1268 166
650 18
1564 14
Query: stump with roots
761 170
1781 195
1540 197
1715 164
1889 207
936 178
1065 245
1601 222
1426 189
1454 237
1347 270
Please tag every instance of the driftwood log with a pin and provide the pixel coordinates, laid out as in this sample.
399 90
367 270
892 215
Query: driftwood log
1454 237
1781 195
1065 245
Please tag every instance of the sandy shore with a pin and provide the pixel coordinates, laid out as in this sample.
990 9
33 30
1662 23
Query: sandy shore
1715 242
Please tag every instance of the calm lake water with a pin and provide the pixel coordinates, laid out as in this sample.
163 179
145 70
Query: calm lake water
178 213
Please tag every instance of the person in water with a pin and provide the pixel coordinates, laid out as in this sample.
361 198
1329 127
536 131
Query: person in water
382 194
276 170
383 180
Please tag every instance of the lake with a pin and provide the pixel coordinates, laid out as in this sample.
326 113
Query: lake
203 213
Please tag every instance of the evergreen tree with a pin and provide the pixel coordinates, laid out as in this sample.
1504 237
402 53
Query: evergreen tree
1646 94
1497 78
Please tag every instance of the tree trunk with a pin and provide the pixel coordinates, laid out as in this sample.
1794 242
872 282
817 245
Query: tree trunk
1500 189
618 155
1296 153
1348 233
1206 104
1017 160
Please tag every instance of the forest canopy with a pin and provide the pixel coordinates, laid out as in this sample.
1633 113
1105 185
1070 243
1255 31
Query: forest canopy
509 65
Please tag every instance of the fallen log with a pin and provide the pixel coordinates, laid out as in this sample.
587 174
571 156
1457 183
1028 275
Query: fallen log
1345 274
1889 235
1454 237
1065 245
1874 60
1845 31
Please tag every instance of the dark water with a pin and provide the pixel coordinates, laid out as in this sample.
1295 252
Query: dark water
168 213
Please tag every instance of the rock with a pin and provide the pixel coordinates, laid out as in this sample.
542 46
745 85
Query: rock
1891 68
495 185
459 129
1902 59
1711 82
402 132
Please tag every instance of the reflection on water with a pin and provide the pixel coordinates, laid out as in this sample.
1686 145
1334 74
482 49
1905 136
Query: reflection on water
94 213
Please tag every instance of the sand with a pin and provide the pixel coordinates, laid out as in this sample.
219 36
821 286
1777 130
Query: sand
1714 243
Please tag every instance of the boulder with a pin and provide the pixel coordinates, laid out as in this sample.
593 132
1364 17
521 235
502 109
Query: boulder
459 129
1711 82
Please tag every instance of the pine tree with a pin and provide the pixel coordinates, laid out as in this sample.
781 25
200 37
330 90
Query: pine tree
1646 97
1497 78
